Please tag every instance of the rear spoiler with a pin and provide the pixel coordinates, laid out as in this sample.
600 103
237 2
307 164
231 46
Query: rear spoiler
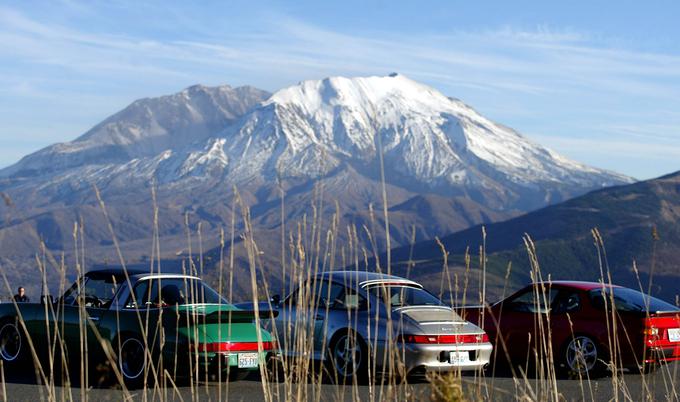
661 312
475 306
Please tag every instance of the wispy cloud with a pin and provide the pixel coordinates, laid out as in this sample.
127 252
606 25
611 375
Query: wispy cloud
521 61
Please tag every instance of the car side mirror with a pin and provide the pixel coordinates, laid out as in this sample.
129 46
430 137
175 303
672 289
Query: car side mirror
46 299
275 300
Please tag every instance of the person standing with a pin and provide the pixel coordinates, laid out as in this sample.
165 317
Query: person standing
21 297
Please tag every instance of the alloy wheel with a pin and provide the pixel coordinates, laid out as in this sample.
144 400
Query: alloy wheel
10 342
347 356
582 354
132 358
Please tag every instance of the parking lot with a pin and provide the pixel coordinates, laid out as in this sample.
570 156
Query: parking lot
624 386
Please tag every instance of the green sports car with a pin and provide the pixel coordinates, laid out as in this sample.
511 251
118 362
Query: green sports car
143 326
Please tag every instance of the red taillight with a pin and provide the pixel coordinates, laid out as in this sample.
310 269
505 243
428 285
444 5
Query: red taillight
444 339
218 347
652 332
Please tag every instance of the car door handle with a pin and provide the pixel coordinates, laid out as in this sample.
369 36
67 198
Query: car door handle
319 317
94 318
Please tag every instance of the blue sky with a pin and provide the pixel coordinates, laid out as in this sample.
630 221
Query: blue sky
599 83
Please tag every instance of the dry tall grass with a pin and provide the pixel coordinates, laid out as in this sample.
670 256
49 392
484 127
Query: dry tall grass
308 248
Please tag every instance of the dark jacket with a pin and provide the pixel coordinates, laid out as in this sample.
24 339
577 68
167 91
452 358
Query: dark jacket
21 299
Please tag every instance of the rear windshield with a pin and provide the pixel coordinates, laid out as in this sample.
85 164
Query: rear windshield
402 296
629 300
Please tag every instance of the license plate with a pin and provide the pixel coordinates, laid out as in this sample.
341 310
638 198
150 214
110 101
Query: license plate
674 334
459 357
247 360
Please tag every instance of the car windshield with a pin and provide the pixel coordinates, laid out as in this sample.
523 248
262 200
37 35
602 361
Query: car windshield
629 300
173 292
402 296
95 290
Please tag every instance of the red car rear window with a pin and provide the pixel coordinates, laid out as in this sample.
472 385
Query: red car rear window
628 300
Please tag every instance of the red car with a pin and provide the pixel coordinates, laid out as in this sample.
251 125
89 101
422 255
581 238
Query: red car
586 335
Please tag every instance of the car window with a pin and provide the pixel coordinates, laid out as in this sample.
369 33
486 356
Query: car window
142 296
96 291
628 300
566 301
101 288
70 295
350 300
402 296
329 294
291 299
532 302
165 292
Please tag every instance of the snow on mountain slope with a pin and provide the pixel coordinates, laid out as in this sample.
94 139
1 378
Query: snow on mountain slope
428 139
146 129
431 143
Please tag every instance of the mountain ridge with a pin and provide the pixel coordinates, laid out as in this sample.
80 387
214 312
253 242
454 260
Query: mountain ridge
637 223
123 136
447 167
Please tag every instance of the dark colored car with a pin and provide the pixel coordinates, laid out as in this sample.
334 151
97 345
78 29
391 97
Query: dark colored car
588 326
147 323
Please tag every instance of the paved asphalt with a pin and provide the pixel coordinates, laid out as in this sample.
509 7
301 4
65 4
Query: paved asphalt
658 386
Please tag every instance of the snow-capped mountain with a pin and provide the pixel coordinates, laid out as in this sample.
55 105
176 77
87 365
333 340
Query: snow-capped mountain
446 166
430 143
145 129
428 140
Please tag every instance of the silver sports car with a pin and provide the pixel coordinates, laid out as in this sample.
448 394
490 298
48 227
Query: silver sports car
359 322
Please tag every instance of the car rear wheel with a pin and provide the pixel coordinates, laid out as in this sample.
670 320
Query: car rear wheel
132 358
12 343
348 357
582 356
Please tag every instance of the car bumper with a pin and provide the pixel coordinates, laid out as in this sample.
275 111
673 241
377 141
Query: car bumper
422 358
663 354
214 362
231 360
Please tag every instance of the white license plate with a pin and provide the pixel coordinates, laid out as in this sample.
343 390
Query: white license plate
247 360
459 357
674 334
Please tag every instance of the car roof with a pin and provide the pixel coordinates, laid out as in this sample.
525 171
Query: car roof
135 274
114 272
580 285
364 278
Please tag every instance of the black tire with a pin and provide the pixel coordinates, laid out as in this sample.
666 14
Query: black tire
348 358
275 368
583 357
132 360
13 344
